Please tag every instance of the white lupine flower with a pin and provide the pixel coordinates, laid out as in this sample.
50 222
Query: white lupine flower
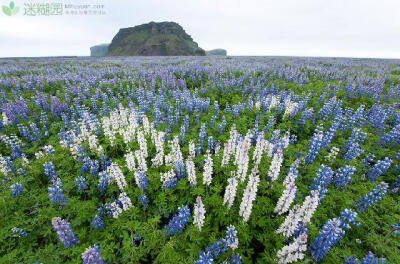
217 149
199 213
290 106
275 166
116 174
293 172
115 209
125 201
309 206
192 151
268 148
6 121
242 156
294 251
230 192
229 146
128 133
191 172
175 154
208 169
167 176
258 150
158 139
286 139
287 197
249 195
94 145
107 129
39 154
142 143
130 161
273 103
332 154
288 226
146 125
141 160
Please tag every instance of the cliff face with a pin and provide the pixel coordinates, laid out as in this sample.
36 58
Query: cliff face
216 52
99 50
154 39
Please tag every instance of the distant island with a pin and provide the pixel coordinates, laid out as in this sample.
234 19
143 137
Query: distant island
153 39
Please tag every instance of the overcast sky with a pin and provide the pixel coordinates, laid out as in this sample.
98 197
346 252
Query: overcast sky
349 28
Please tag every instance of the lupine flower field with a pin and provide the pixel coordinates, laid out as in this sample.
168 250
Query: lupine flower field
199 160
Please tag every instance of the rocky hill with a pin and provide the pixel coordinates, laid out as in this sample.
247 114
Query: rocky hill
154 39
216 52
99 50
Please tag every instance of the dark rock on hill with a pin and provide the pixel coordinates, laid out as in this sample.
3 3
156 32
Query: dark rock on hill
154 39
99 50
216 52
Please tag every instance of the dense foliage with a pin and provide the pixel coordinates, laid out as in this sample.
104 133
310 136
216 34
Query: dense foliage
199 160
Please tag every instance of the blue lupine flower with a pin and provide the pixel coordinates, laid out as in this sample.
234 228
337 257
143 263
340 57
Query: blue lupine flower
49 171
16 189
231 237
178 222
351 260
371 259
103 182
143 199
204 258
374 196
56 194
327 238
348 218
143 182
322 181
92 256
180 169
343 176
80 182
97 223
221 126
64 232
395 186
217 248
314 146
19 232
379 168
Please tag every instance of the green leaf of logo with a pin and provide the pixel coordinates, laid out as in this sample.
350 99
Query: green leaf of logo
12 5
15 10
6 10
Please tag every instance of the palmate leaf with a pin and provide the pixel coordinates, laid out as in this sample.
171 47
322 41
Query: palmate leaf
6 10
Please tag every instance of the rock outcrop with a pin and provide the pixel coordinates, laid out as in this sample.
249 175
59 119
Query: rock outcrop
154 39
216 52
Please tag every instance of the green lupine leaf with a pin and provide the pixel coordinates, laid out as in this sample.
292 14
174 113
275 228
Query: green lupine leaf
12 5
7 10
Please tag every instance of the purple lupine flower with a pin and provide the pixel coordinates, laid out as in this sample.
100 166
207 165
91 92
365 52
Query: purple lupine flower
178 222
16 189
64 232
374 196
142 181
327 238
92 256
